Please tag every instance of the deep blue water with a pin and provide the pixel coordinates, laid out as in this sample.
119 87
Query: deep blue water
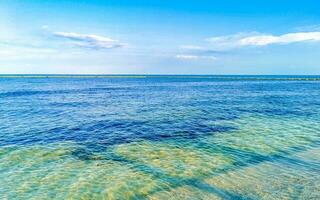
121 110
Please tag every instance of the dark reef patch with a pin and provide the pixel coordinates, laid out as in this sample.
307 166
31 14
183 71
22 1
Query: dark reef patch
113 132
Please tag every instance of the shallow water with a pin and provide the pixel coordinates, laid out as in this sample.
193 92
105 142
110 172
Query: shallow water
159 137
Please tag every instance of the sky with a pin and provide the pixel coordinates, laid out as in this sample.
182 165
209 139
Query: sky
160 37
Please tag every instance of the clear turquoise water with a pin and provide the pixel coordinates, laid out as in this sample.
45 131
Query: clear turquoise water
159 137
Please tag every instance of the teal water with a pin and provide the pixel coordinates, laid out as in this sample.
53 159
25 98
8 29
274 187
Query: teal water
159 137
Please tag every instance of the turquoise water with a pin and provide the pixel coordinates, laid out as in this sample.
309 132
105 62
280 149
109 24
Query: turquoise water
159 137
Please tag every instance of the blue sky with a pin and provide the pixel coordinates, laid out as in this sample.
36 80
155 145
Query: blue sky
160 37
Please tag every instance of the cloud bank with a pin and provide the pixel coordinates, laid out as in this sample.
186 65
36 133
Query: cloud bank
257 39
89 41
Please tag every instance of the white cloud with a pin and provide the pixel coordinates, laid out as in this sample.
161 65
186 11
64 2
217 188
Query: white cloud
187 57
256 39
195 57
89 41
282 39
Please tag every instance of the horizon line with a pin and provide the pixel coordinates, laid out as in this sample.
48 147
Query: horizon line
221 77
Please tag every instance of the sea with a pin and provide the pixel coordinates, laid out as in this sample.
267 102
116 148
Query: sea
159 137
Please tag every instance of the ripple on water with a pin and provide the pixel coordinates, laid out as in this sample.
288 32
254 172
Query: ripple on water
159 139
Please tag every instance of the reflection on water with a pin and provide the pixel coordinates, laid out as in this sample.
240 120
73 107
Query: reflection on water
159 138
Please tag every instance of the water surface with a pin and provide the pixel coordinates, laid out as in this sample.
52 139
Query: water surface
159 137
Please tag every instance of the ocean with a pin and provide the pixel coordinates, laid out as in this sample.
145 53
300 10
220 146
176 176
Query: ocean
159 137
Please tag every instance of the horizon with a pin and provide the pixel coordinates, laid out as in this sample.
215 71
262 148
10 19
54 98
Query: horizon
141 75
151 37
